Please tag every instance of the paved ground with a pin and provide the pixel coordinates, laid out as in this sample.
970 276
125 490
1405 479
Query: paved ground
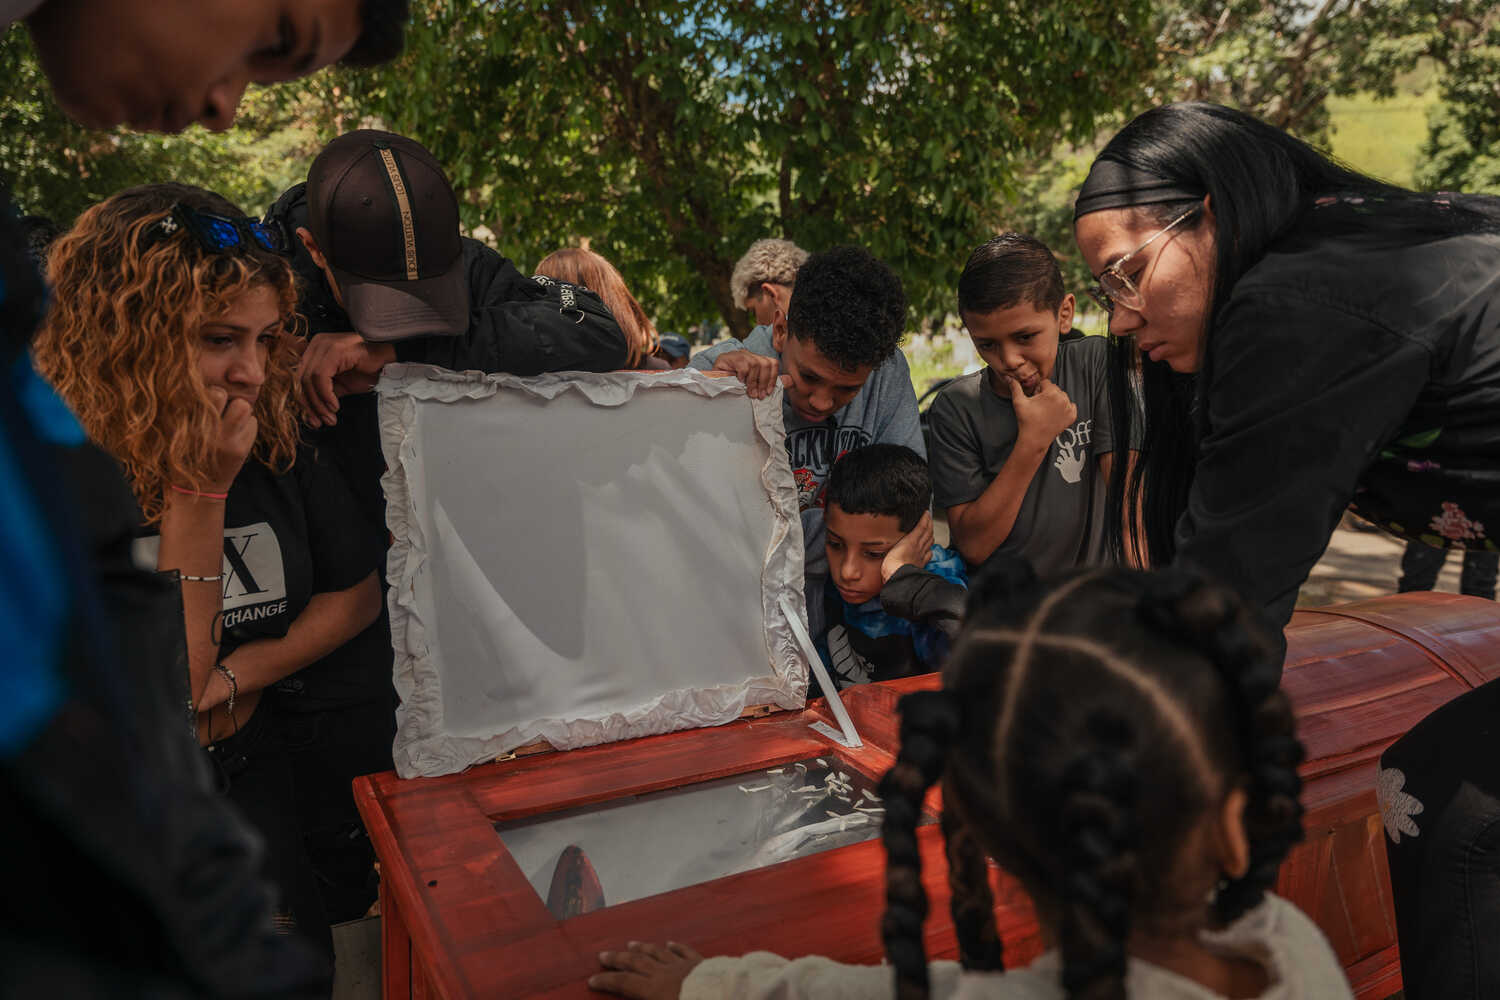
356 948
1360 564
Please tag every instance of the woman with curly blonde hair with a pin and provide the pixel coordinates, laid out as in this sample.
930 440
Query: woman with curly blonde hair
586 268
168 336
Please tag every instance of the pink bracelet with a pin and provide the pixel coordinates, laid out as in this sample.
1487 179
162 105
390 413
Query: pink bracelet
198 493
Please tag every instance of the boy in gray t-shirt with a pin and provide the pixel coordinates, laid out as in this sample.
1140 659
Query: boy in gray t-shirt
1022 450
846 384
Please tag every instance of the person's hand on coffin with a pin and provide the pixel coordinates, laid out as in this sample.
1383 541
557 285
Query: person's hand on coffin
338 364
757 372
914 548
645 971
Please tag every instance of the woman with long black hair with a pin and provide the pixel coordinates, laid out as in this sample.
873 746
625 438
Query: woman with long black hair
1306 339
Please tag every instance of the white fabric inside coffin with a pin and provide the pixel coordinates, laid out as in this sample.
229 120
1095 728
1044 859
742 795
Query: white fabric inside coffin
583 558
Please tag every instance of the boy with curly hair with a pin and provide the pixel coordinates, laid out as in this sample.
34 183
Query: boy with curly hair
834 351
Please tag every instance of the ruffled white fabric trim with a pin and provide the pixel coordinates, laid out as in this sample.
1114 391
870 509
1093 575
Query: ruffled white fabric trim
424 747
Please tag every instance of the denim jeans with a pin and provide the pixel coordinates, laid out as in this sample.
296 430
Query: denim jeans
1440 800
254 771
1421 564
328 749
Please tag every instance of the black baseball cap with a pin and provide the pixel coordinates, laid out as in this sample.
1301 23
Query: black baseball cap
384 216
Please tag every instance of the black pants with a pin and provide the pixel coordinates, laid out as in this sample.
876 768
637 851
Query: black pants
1440 800
1421 564
328 750
255 773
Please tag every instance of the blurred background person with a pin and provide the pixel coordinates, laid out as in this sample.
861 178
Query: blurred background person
584 267
763 279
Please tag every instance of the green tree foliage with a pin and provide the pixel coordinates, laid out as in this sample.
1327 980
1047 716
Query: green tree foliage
1463 141
673 134
1283 59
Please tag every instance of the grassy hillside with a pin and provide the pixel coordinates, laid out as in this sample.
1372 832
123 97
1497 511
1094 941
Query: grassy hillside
1384 137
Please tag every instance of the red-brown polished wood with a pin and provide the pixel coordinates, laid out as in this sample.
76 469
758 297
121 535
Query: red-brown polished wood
461 920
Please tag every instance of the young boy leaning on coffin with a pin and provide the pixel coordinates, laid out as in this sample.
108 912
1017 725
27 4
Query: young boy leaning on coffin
846 385
893 600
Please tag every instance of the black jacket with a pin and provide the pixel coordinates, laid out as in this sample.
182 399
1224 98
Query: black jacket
912 593
504 334
1347 368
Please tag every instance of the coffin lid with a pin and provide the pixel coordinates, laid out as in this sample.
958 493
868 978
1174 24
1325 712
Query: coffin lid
1361 675
584 558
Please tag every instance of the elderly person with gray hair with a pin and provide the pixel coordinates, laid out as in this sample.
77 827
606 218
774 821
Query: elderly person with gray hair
762 279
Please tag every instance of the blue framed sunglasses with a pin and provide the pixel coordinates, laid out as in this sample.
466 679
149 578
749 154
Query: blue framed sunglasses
221 234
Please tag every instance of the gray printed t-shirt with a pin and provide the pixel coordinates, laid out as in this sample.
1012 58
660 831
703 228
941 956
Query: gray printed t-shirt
1061 521
884 411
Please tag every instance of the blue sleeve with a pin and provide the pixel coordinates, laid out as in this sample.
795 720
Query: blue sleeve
704 359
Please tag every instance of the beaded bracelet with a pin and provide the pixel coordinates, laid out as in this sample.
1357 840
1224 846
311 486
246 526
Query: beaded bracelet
201 579
197 493
234 687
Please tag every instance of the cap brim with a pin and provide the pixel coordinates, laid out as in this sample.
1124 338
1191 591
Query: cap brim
428 307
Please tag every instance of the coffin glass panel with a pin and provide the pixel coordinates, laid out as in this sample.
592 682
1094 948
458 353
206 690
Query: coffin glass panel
630 848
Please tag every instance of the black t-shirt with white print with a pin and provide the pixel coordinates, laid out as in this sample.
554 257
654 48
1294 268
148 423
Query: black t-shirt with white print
286 538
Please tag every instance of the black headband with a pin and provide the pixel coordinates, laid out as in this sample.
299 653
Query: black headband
1112 184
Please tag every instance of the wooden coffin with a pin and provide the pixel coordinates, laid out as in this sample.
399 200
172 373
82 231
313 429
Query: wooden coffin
460 918
1360 676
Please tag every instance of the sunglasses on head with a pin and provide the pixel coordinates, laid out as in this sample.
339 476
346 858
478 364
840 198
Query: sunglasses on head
222 234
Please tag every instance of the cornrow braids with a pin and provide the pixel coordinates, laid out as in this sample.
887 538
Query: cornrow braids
1081 741
971 900
1211 620
1098 834
930 721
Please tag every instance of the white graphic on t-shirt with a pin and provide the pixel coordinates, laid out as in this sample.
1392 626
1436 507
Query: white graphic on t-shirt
848 666
1073 450
254 577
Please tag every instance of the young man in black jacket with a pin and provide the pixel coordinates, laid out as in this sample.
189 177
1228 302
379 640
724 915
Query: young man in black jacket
451 301
378 225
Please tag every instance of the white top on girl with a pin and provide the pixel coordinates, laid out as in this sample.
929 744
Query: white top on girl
1299 961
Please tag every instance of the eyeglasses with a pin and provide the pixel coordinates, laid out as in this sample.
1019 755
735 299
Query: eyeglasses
1115 287
220 233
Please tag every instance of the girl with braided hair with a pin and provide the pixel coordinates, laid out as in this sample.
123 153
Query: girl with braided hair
1117 742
